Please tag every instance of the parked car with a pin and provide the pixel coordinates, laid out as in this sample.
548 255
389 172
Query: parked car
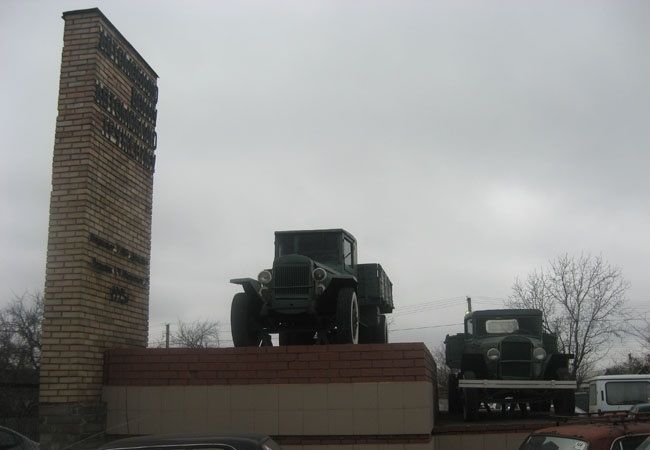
247 441
608 393
614 433
12 440
640 410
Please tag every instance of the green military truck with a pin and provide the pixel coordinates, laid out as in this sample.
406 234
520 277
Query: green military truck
504 357
316 292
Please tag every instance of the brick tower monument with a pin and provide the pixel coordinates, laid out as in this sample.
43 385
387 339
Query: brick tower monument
97 274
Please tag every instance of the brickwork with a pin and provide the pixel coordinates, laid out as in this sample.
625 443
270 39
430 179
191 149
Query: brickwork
96 289
97 271
309 396
270 365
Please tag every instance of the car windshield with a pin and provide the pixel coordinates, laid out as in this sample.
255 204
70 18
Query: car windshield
322 247
637 442
531 325
537 442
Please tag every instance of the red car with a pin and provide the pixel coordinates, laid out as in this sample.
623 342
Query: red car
615 433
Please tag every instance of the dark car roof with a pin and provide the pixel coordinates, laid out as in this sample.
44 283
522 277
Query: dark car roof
597 432
27 442
506 312
241 441
641 408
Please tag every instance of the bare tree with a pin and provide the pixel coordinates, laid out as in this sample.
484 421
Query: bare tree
196 334
640 330
634 364
442 370
583 302
20 350
20 332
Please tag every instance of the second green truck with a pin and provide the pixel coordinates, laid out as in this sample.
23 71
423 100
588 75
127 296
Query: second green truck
504 357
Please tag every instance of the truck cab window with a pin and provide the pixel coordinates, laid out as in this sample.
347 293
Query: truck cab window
348 254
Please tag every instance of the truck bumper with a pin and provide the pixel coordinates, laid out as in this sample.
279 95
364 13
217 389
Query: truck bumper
517 384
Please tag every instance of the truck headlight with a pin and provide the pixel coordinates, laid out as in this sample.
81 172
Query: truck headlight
265 277
539 354
493 354
319 274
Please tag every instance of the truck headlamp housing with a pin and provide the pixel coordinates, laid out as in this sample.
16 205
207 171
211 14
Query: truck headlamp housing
319 274
493 354
539 354
265 277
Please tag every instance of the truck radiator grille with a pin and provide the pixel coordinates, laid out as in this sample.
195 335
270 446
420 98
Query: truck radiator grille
291 280
516 359
515 369
517 351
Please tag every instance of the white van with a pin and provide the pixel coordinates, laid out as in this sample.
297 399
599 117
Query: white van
618 392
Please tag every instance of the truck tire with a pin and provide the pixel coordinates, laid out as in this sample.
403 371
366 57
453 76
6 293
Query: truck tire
244 312
470 400
347 317
564 403
540 406
369 319
453 395
381 331
366 334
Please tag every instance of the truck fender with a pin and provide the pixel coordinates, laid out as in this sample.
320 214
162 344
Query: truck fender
251 286
555 362
474 362
342 281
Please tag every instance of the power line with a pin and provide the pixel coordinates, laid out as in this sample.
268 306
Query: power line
426 327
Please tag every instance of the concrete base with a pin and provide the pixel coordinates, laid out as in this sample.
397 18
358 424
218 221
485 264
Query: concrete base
71 426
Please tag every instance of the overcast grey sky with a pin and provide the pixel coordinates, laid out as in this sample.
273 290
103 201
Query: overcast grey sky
462 143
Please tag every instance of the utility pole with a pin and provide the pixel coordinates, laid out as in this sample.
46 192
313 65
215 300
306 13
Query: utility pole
166 335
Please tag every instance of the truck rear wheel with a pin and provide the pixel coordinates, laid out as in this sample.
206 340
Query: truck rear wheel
381 331
244 321
347 317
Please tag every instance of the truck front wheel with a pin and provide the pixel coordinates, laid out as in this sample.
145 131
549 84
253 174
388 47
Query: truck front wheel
564 403
453 398
470 399
347 317
244 321
539 406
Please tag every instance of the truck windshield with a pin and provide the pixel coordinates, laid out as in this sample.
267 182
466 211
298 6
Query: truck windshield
322 247
531 326
537 442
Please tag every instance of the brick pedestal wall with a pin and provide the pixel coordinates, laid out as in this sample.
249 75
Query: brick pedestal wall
270 365
343 396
